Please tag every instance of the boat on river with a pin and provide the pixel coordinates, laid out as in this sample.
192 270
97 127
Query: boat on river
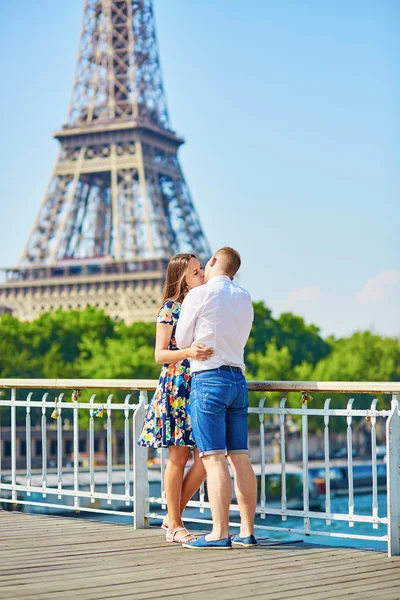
339 477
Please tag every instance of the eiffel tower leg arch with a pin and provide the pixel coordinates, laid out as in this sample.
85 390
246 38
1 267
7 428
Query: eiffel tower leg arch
117 206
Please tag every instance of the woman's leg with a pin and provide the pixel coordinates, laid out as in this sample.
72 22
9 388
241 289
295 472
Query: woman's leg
173 481
191 483
192 480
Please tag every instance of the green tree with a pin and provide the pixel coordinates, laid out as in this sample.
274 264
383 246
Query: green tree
304 341
66 329
362 357
274 365
89 344
263 328
128 356
17 357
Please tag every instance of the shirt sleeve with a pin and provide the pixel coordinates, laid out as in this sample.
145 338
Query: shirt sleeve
187 321
167 313
249 315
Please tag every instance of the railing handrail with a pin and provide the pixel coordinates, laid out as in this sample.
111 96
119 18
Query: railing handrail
72 384
353 387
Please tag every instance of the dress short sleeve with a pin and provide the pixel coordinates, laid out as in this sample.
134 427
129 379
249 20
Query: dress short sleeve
169 313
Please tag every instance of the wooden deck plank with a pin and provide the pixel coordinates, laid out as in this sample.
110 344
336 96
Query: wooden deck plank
285 566
391 593
43 558
165 573
213 584
146 558
249 588
107 584
342 590
121 579
190 558
260 587
134 547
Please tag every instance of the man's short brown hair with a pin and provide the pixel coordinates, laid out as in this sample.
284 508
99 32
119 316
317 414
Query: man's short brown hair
229 260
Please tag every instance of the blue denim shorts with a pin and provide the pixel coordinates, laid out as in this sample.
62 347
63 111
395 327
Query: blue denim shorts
219 411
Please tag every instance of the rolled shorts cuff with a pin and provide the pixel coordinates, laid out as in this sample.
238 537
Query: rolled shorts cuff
210 452
244 451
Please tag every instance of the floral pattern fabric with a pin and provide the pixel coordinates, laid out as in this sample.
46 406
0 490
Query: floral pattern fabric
167 420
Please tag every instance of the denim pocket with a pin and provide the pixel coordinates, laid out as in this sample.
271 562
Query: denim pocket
215 396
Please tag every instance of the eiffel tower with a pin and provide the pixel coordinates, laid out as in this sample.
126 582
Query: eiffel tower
117 206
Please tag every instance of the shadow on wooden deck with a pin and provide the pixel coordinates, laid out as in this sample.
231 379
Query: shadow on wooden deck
45 558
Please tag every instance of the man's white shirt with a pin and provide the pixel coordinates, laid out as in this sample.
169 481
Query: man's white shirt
218 315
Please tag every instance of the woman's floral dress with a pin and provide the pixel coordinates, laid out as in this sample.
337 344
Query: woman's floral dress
167 420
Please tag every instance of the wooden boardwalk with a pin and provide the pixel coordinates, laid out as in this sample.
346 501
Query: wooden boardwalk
45 558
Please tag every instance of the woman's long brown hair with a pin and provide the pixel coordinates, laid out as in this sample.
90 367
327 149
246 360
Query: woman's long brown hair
175 280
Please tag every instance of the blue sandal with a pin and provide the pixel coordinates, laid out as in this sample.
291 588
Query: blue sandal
202 544
244 542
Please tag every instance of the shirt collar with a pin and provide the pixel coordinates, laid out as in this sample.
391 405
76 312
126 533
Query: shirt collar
219 278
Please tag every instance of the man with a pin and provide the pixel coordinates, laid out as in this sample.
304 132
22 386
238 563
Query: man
219 315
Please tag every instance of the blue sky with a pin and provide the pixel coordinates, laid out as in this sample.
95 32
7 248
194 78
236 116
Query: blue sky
290 112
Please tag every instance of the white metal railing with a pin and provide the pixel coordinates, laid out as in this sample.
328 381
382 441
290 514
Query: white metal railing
129 488
135 457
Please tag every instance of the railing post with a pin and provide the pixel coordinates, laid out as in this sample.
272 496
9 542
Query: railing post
140 473
13 444
76 454
393 477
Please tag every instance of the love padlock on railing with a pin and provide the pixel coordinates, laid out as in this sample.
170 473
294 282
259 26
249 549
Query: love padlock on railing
76 394
55 413
306 397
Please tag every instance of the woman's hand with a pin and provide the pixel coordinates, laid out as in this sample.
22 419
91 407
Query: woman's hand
200 352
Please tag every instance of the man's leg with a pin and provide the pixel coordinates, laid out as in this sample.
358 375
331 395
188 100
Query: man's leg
245 490
236 443
209 398
219 486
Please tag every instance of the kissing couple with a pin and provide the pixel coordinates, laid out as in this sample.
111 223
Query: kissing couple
201 401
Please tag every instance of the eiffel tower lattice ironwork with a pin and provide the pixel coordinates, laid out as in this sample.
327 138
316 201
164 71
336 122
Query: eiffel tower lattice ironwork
117 205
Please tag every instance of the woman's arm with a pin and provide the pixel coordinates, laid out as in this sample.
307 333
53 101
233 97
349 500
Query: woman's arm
191 307
164 356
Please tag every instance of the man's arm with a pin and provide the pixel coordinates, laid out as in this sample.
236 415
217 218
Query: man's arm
248 314
187 320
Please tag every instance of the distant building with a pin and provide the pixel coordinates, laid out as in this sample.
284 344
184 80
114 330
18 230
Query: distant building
4 309
67 446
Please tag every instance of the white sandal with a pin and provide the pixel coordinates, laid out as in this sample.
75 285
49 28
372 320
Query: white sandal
182 539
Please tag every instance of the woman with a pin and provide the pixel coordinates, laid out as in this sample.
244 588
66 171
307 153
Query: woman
167 421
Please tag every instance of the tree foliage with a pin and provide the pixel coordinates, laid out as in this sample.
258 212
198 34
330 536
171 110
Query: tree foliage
89 344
